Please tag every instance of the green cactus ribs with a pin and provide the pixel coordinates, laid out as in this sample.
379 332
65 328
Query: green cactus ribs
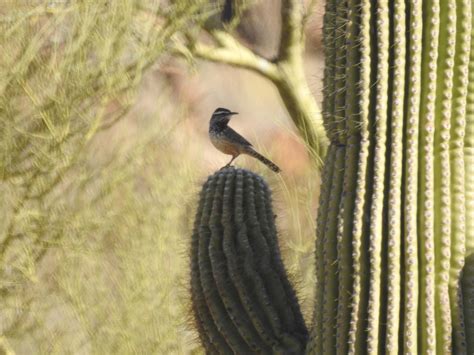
394 230
241 297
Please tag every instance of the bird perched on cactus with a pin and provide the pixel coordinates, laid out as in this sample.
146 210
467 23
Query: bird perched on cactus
229 141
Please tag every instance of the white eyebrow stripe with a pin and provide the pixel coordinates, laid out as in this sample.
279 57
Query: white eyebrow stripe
221 110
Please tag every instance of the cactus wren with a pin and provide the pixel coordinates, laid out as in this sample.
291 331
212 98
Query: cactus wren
229 141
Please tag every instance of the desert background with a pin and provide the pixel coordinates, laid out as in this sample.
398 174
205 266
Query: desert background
101 169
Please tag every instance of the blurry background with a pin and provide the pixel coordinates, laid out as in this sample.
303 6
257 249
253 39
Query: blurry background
104 149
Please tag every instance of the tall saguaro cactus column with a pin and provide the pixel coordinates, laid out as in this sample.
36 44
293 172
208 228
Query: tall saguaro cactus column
391 238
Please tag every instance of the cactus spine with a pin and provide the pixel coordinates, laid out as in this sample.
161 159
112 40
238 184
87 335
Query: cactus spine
395 232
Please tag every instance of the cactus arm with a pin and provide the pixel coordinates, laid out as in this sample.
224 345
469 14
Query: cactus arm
395 109
242 300
442 198
426 194
463 33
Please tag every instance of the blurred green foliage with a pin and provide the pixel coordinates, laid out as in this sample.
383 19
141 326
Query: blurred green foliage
85 236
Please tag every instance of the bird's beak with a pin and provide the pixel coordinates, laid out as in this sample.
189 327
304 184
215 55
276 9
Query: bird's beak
233 113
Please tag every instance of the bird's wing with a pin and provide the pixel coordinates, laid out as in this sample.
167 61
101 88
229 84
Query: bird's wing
235 137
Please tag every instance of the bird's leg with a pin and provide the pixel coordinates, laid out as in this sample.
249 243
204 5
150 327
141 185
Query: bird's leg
228 164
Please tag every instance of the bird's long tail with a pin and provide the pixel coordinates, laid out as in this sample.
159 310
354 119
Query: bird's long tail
264 160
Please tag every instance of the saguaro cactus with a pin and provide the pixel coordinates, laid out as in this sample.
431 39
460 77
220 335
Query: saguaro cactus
393 230
391 236
241 297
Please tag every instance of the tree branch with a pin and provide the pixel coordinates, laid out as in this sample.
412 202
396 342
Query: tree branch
292 41
232 52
